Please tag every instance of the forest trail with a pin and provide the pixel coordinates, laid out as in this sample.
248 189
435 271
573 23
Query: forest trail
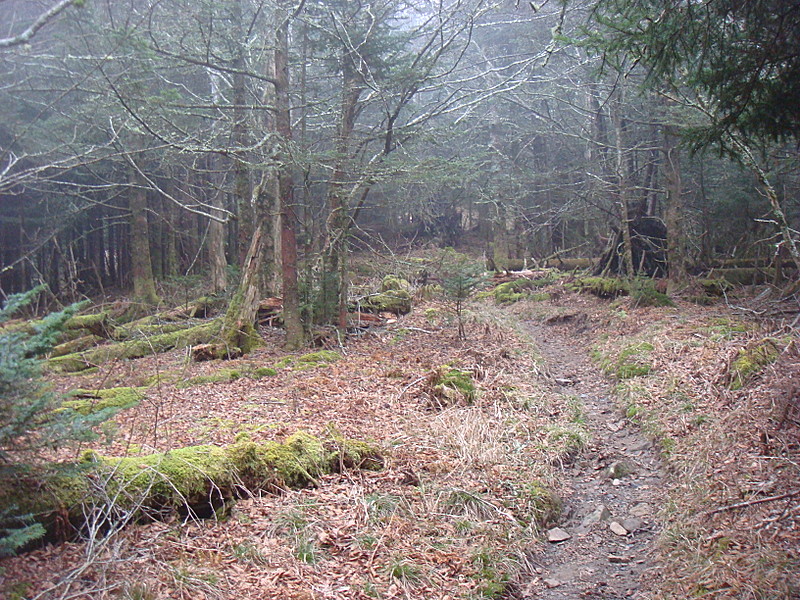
612 492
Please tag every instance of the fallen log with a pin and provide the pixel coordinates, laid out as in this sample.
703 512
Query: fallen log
77 345
80 361
195 480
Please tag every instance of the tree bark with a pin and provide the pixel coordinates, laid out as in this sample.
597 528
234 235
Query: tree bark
288 218
238 334
623 185
673 218
334 282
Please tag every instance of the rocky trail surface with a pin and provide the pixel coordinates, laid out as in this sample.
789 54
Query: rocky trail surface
603 547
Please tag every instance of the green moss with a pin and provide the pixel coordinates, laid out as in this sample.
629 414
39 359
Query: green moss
449 385
310 360
92 401
140 330
644 293
135 348
226 375
76 345
261 372
751 361
513 291
630 362
393 283
394 301
602 287
185 478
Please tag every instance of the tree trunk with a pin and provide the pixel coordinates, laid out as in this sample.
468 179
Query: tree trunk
144 286
288 219
623 186
238 334
676 247
215 241
241 174
334 277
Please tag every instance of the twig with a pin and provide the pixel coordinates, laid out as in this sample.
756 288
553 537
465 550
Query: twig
753 502
422 330
410 385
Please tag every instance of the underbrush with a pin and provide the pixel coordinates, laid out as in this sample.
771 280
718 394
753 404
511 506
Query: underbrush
730 447
465 493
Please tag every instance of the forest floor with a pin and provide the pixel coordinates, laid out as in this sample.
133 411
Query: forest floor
605 455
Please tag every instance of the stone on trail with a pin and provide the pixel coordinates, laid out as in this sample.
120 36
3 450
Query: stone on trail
618 529
632 524
642 509
601 513
557 535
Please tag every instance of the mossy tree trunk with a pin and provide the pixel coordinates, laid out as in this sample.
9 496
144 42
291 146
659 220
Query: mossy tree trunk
197 479
238 333
144 286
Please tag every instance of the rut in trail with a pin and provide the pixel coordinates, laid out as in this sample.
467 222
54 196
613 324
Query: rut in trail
612 491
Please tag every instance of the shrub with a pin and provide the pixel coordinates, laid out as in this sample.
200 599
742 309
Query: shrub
31 417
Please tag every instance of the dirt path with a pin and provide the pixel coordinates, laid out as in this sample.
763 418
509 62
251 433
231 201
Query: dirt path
612 491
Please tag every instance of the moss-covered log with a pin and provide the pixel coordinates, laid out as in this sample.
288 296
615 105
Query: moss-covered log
91 401
77 345
80 361
195 479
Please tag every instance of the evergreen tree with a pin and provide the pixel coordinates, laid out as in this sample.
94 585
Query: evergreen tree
31 419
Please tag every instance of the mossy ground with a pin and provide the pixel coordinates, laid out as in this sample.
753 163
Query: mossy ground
449 385
752 360
626 362
602 287
309 360
91 401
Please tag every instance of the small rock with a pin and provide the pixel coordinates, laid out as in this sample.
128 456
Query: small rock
632 524
552 583
618 469
601 513
557 535
642 509
618 559
618 529
616 482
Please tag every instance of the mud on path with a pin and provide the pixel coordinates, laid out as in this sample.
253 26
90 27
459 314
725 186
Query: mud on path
612 491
